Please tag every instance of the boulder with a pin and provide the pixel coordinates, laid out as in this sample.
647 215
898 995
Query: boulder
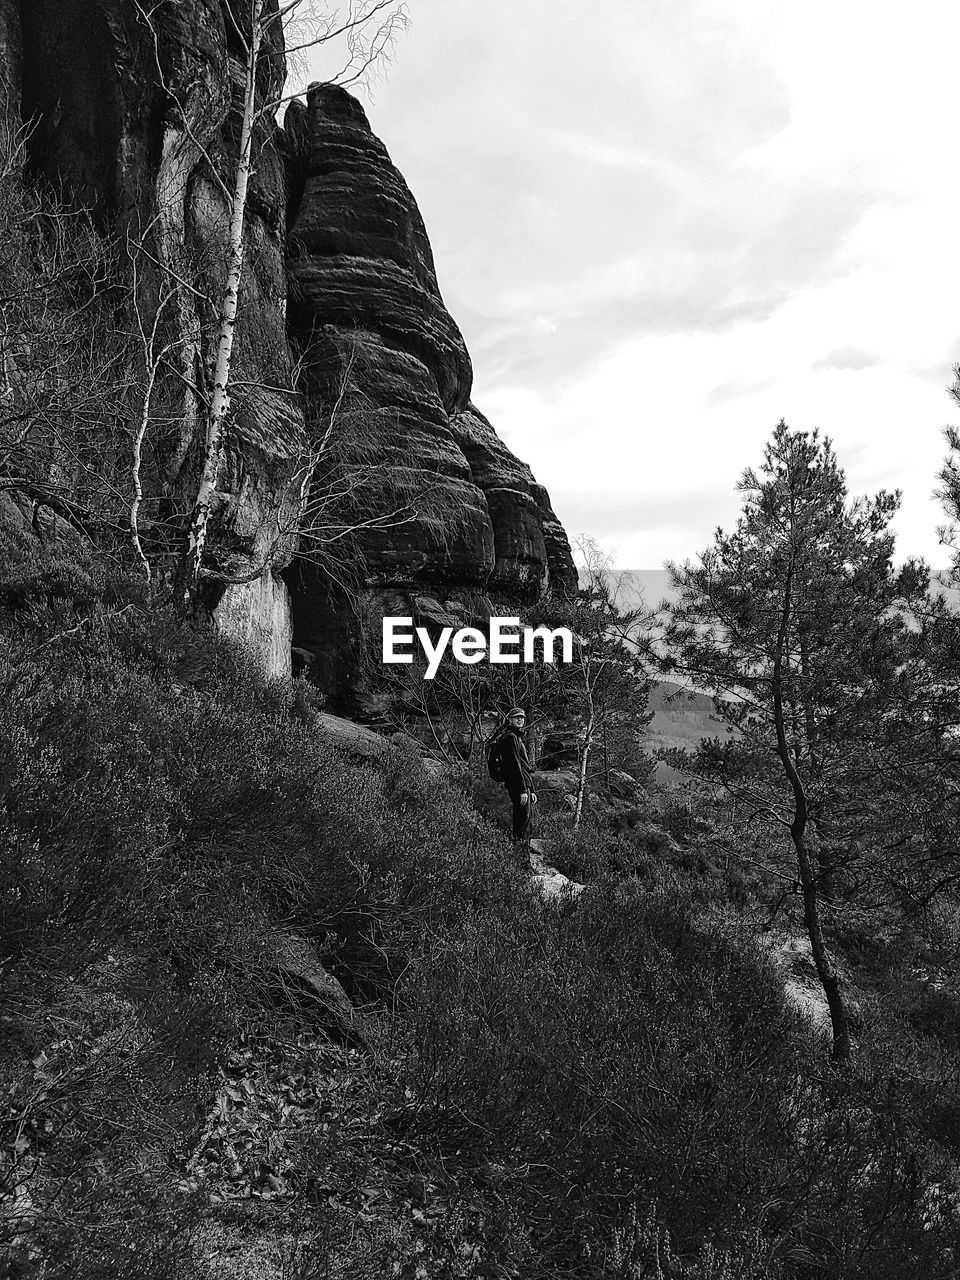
559 750
301 972
557 782
792 958
624 785
552 885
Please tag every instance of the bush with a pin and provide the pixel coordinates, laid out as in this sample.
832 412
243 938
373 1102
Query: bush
606 1051
160 809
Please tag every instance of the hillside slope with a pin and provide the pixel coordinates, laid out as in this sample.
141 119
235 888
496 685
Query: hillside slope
273 1011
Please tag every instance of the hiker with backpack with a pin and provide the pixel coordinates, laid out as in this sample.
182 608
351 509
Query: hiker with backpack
508 763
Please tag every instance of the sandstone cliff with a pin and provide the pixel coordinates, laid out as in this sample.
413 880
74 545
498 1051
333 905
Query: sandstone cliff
340 302
361 271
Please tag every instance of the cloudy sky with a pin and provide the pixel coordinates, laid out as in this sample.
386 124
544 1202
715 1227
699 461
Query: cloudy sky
662 225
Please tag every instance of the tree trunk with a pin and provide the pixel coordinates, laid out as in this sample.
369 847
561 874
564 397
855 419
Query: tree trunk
826 972
829 979
220 399
135 471
582 775
825 869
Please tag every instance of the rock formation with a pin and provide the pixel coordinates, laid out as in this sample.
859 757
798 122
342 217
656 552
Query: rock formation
121 116
339 303
361 273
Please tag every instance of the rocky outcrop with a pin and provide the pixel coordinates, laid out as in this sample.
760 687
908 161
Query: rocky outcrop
549 883
339 307
258 614
134 122
530 546
359 253
361 270
364 291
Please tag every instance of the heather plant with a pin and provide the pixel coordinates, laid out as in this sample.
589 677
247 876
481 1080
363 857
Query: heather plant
162 812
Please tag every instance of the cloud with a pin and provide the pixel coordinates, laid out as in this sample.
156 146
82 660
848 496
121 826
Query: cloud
601 514
662 227
736 390
725 272
945 373
599 170
847 358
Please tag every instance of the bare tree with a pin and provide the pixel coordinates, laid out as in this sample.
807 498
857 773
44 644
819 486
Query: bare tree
348 483
368 30
154 354
608 677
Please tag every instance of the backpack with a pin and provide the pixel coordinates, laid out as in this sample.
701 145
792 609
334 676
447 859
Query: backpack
495 757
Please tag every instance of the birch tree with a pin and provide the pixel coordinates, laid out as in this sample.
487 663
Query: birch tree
609 682
366 30
227 318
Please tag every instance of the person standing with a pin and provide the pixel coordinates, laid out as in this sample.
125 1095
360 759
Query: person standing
515 772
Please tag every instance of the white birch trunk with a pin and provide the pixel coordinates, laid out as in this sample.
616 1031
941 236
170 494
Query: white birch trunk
135 467
584 758
220 399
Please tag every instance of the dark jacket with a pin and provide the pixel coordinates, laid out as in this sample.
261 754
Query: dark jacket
517 775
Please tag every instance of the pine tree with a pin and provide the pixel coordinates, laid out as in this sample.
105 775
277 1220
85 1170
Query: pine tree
798 623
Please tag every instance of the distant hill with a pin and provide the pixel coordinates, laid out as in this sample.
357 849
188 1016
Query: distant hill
653 586
681 718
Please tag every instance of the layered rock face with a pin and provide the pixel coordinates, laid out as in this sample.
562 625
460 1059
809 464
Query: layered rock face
339 305
361 271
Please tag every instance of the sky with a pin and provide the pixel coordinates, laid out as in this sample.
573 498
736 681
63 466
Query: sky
663 225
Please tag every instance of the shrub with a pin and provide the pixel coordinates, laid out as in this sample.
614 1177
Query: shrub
606 1051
